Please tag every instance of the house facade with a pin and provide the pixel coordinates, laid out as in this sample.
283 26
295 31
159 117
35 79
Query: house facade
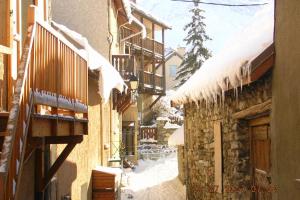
50 92
174 59
227 151
285 107
142 44
44 98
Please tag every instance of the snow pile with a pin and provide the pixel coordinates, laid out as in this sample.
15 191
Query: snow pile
169 125
149 140
232 64
150 126
177 138
155 180
131 18
109 76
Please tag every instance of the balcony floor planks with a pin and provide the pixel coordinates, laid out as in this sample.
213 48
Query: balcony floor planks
65 126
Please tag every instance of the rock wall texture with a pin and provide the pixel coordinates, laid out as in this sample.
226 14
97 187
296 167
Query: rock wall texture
199 130
181 164
162 133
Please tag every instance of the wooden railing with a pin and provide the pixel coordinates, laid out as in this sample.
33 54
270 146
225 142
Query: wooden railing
58 67
47 64
148 132
147 42
152 80
159 81
124 64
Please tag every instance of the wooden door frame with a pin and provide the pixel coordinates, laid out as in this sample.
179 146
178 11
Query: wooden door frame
257 121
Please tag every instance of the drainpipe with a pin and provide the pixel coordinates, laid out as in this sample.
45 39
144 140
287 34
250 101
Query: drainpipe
110 37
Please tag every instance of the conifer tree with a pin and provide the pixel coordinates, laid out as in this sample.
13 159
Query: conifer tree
198 53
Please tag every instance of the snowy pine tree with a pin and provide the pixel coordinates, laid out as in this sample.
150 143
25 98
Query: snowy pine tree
198 53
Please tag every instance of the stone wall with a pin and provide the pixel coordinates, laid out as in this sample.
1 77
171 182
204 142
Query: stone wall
181 164
162 133
199 130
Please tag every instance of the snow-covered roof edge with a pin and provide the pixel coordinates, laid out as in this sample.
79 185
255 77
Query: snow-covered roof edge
232 64
131 18
172 53
142 11
109 77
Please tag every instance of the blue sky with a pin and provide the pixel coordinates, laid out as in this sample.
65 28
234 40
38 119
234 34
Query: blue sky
221 22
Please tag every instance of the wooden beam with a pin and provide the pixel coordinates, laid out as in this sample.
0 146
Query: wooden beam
154 102
253 110
37 141
163 60
59 161
39 173
265 66
218 156
153 55
9 44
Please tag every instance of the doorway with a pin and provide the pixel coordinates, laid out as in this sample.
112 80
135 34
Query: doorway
260 158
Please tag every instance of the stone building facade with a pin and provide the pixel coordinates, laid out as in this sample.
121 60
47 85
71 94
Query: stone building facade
181 164
200 123
163 133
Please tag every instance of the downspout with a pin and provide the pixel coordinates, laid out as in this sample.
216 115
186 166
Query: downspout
110 39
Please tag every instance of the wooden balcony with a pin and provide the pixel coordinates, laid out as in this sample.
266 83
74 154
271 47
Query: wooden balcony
148 81
147 44
49 106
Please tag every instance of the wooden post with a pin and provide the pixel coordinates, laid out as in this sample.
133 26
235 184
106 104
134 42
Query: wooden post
163 60
9 44
218 156
142 62
39 172
153 56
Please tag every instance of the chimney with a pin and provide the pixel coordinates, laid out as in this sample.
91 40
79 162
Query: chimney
181 50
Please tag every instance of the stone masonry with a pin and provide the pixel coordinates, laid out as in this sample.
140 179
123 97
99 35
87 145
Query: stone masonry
163 134
199 130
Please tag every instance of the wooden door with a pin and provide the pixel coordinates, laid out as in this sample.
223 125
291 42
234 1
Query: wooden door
260 157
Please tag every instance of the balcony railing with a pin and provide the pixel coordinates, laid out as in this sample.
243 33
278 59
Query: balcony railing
125 65
148 43
151 80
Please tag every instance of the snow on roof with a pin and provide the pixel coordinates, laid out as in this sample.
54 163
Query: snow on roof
232 64
177 138
139 9
169 125
109 77
127 7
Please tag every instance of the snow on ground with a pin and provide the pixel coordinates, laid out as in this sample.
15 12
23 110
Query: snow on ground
154 180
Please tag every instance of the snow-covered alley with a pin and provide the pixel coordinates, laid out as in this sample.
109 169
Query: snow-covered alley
154 180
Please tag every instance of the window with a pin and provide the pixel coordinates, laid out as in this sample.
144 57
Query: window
173 70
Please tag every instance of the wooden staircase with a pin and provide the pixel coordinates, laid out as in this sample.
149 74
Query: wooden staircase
52 75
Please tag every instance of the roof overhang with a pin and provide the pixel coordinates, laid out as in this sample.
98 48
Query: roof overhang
138 10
